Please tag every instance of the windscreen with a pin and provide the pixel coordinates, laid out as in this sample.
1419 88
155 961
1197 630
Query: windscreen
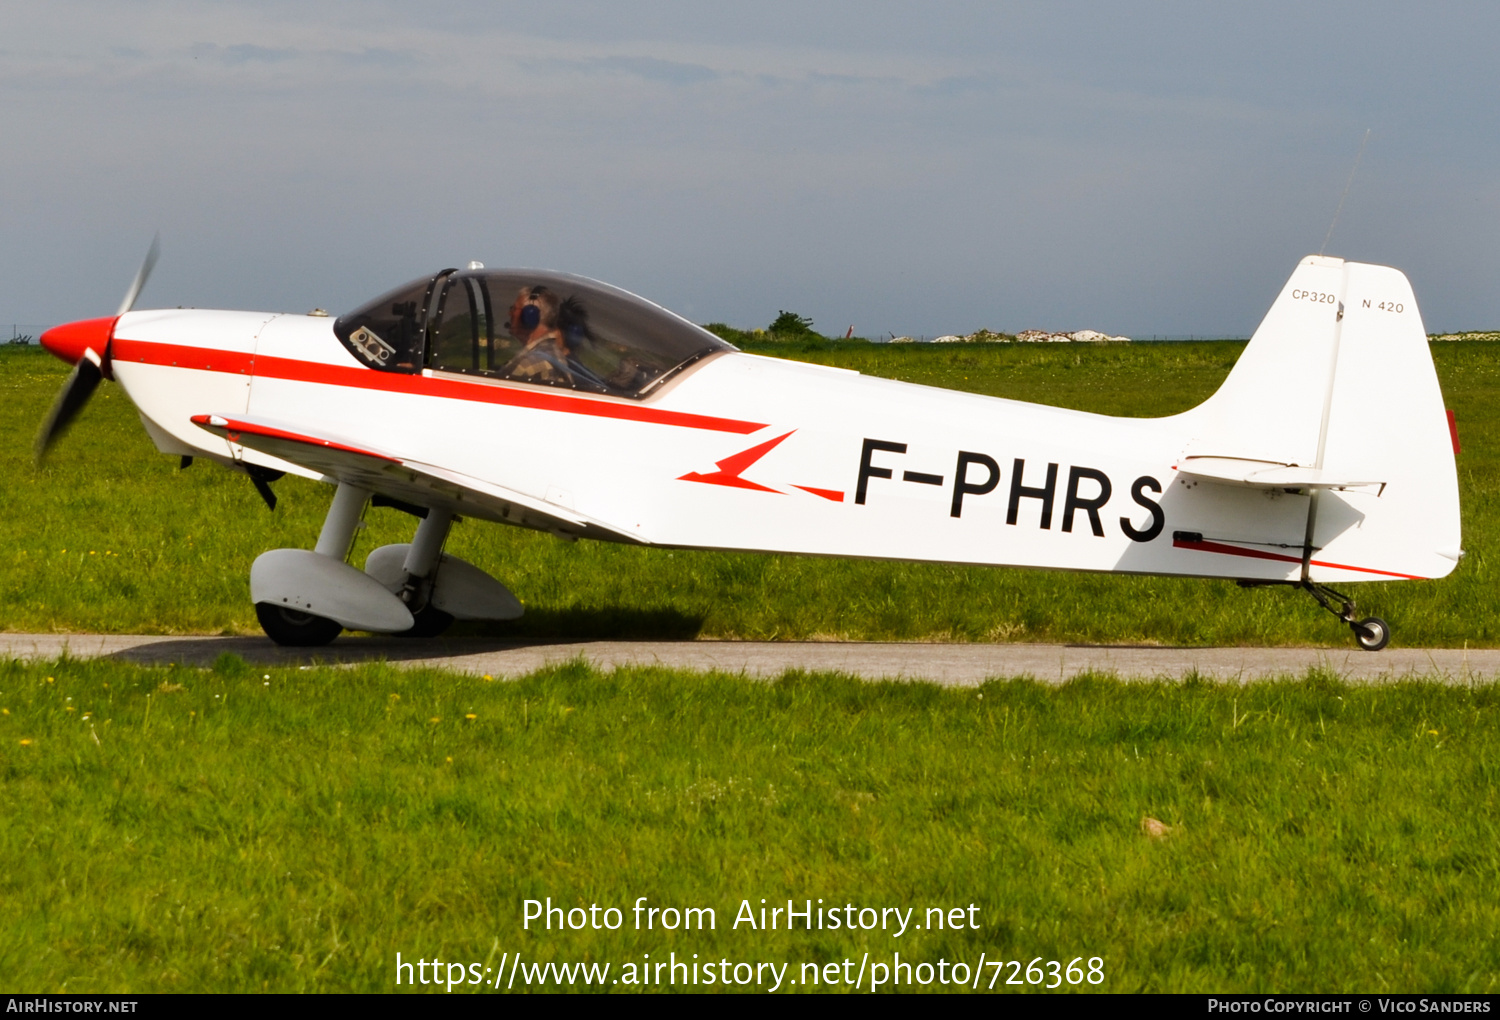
551 329
389 332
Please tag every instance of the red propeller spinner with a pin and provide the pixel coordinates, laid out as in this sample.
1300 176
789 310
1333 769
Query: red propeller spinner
71 339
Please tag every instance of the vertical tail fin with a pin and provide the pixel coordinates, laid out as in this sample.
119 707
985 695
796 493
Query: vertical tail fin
1339 381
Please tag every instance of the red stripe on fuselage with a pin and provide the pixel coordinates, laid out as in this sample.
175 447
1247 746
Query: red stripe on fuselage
1261 554
206 359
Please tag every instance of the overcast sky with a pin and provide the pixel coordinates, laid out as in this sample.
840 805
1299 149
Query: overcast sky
907 168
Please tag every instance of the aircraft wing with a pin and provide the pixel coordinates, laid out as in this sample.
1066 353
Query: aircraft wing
400 478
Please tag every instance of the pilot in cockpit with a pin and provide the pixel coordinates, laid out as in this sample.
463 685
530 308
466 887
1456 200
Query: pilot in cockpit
554 333
533 321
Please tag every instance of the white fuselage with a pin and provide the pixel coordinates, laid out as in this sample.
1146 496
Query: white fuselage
755 453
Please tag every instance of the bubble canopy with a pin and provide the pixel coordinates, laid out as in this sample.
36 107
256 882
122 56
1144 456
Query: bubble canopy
530 326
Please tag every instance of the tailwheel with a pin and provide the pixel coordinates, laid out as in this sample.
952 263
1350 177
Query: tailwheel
296 629
1372 633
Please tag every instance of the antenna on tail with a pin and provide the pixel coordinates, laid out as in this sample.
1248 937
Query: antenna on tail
1329 236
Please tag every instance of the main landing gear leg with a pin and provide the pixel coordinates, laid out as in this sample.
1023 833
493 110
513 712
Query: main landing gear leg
1372 632
421 562
337 536
434 588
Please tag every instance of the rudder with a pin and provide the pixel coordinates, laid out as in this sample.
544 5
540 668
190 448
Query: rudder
1385 420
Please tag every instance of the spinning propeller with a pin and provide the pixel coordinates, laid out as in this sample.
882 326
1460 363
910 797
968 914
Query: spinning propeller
85 346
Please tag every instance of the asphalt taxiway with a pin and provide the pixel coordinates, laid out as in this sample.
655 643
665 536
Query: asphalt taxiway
953 664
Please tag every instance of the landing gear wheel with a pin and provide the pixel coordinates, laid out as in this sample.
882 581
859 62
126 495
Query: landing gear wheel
430 622
1372 633
297 630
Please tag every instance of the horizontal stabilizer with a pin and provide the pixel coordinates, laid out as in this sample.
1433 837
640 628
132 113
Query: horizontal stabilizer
1265 474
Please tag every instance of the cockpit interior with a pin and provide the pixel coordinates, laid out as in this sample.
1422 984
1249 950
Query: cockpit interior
527 326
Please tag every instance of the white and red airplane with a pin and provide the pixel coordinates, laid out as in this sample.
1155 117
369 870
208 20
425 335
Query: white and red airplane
558 403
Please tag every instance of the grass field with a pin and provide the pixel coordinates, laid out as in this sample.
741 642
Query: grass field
110 536
290 829
182 829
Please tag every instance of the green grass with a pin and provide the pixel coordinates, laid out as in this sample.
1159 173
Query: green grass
110 536
293 829
180 829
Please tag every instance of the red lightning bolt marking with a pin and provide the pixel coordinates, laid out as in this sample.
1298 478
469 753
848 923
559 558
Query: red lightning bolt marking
730 468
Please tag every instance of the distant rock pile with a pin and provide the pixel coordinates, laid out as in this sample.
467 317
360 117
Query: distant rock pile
1030 336
1083 336
1471 335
